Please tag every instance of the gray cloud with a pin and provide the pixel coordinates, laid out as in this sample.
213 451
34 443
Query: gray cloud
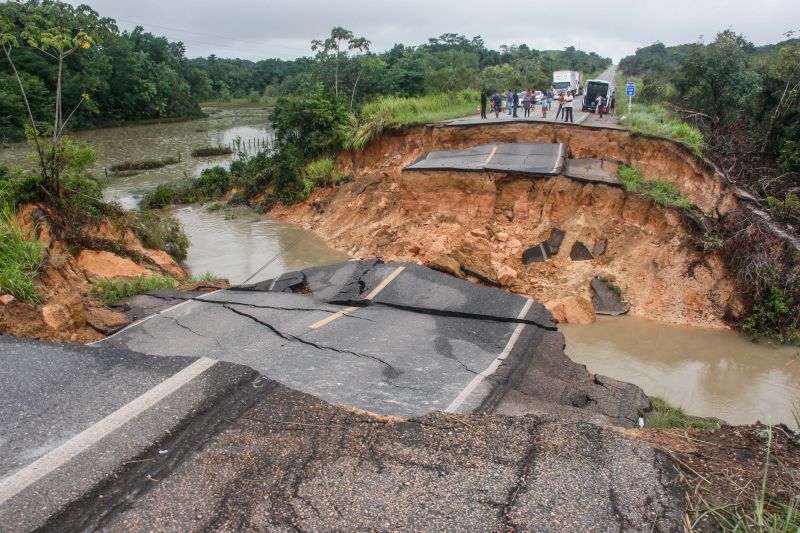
255 30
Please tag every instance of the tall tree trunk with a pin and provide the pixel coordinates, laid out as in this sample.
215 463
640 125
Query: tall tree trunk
353 94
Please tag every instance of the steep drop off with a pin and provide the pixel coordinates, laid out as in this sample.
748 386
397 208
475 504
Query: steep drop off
480 223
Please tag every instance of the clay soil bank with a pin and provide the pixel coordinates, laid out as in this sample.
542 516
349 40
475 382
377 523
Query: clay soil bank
478 224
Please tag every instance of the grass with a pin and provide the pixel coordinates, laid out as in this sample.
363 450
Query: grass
388 111
613 287
20 258
667 416
658 191
211 151
109 290
658 121
147 164
756 510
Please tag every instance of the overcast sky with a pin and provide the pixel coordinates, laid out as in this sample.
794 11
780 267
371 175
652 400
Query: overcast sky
253 29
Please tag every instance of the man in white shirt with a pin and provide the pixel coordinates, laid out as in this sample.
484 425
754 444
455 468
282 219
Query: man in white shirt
568 107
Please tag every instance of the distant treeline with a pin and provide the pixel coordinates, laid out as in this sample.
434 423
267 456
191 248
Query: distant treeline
135 75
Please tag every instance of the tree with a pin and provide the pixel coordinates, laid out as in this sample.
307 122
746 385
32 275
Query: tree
57 30
715 78
332 46
360 45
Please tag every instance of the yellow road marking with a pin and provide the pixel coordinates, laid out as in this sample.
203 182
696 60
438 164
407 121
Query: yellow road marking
491 155
333 317
370 296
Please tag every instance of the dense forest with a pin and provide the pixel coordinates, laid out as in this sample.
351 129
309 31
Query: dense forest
135 75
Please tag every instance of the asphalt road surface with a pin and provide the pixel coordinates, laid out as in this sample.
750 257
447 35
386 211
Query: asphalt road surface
580 116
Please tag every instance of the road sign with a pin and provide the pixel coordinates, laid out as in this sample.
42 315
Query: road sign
630 88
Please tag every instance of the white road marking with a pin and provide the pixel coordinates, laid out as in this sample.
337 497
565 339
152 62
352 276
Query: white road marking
491 155
369 296
558 159
492 368
16 483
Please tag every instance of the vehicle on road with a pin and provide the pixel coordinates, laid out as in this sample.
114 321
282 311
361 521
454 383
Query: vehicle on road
595 88
537 96
568 80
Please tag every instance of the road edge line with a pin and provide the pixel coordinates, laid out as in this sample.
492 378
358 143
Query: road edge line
57 457
492 368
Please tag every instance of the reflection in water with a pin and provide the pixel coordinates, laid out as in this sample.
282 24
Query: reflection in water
237 247
707 372
159 141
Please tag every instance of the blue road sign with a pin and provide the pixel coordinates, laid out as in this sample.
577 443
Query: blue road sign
630 88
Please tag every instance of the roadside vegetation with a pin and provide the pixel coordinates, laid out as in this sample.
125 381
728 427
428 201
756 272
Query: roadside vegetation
20 257
667 416
739 105
659 192
109 291
657 120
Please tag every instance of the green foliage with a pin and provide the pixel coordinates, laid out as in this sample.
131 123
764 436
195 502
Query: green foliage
786 210
158 231
658 191
774 313
109 291
616 289
664 415
20 258
657 121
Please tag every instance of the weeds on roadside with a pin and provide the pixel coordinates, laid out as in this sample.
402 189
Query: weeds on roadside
758 511
20 258
110 290
656 120
667 416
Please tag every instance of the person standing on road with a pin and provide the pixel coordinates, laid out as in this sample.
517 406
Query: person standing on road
510 99
612 104
483 103
549 98
526 104
598 105
568 107
560 105
545 105
515 103
497 104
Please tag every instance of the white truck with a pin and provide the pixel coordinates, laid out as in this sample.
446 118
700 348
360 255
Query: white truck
568 80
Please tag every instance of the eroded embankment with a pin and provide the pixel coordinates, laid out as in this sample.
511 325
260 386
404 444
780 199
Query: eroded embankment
482 222
68 312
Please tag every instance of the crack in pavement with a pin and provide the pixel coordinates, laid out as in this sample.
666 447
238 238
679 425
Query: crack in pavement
187 328
390 371
455 314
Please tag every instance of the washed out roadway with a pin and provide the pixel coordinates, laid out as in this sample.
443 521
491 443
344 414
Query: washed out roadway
395 339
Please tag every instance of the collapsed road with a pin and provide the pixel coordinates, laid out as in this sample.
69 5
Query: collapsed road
359 395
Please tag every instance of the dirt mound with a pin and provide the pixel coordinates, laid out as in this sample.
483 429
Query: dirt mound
68 312
482 222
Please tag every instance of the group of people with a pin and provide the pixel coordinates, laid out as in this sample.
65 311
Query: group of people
527 100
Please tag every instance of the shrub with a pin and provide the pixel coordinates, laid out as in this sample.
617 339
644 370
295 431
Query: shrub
159 232
786 210
657 121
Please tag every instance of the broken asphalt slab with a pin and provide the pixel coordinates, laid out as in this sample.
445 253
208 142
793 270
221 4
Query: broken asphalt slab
538 159
72 415
395 339
295 463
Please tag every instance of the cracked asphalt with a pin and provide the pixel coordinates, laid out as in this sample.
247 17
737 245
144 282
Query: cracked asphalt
349 335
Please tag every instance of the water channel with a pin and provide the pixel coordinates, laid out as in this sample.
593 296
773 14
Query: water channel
707 372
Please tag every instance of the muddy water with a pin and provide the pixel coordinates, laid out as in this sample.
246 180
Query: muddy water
707 372
236 243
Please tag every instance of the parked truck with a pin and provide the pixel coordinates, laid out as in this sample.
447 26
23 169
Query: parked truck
568 80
